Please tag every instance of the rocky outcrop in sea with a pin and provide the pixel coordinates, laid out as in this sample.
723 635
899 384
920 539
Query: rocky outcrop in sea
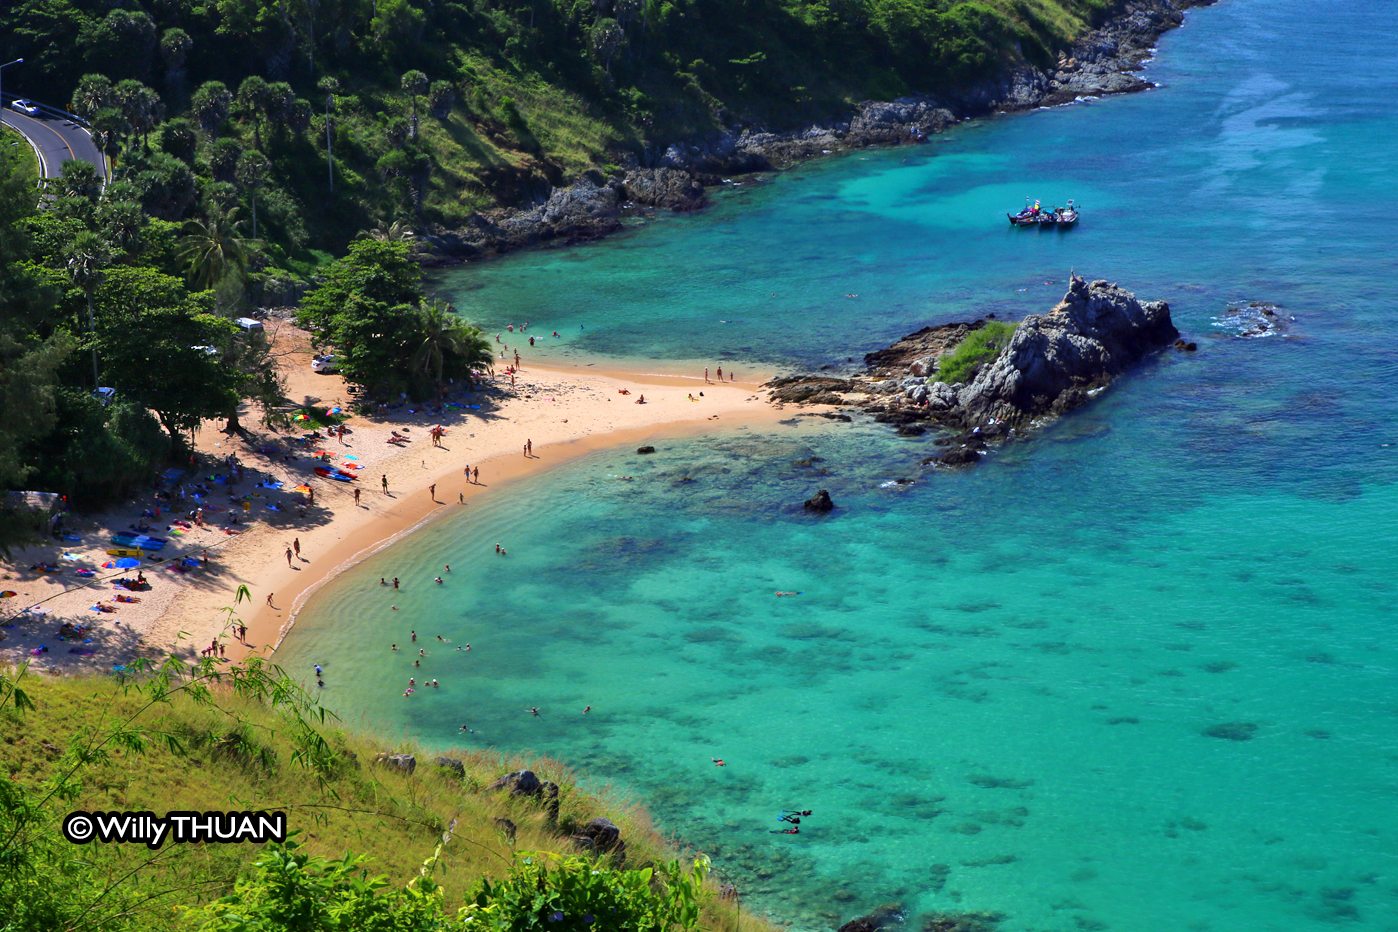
1051 364
1105 61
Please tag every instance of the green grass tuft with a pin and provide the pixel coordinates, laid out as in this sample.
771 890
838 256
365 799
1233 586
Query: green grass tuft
979 347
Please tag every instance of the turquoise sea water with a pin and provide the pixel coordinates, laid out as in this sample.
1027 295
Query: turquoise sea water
1138 673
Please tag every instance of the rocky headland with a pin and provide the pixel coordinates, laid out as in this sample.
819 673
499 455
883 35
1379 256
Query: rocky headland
1104 61
1050 364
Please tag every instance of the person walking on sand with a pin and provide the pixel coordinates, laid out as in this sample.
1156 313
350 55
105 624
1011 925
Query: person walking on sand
468 472
288 556
706 375
477 480
356 498
384 480
296 545
719 372
269 599
461 497
432 491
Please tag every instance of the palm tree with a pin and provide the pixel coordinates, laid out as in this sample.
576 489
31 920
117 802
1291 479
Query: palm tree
415 83
212 249
251 172
330 87
396 232
86 258
446 343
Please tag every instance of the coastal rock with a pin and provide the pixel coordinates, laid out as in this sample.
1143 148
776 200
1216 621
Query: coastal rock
819 503
548 791
519 783
455 764
646 450
1093 335
603 837
885 917
1050 364
963 922
1253 319
667 188
404 762
902 120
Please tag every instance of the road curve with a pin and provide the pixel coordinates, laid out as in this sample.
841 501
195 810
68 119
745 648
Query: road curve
57 139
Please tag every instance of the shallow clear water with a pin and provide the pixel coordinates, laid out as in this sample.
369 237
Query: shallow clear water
1137 673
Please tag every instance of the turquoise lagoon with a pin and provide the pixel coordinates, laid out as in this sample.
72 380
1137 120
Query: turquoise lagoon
1138 673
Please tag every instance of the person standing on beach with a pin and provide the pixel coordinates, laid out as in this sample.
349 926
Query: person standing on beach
477 480
356 498
296 545
288 556
468 472
432 491
706 375
719 372
384 480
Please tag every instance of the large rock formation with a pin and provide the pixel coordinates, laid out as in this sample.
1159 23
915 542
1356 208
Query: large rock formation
1053 359
1051 363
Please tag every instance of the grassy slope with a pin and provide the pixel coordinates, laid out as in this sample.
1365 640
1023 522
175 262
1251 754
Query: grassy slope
394 818
14 148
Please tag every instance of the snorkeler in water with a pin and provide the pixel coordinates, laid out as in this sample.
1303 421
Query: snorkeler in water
785 831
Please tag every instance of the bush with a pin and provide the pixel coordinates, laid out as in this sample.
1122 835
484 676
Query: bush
979 347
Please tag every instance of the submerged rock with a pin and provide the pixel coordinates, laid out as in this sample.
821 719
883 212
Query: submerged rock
885 917
819 503
1232 731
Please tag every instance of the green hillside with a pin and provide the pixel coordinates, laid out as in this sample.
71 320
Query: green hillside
212 739
442 107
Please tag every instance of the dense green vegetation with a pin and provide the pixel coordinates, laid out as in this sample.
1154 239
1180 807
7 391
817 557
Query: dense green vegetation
321 118
980 346
373 847
97 292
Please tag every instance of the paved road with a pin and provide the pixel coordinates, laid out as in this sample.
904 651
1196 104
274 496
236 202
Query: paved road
58 140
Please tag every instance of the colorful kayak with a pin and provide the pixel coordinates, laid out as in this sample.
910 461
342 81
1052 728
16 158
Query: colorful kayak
334 474
125 552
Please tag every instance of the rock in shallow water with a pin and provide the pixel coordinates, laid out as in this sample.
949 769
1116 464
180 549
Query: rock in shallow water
819 503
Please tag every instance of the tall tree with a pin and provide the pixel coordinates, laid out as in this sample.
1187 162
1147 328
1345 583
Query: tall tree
93 94
210 105
415 84
87 259
212 249
254 95
329 87
252 173
148 326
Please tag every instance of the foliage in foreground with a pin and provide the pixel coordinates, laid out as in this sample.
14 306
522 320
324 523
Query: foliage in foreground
290 889
980 346
179 736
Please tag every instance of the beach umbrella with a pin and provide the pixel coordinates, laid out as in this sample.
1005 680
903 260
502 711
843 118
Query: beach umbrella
126 563
302 417
303 489
331 412
109 565
8 594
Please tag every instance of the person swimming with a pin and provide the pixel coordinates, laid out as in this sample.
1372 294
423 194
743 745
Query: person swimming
791 817
719 762
785 831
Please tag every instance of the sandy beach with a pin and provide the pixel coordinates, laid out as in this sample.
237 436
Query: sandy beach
566 411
